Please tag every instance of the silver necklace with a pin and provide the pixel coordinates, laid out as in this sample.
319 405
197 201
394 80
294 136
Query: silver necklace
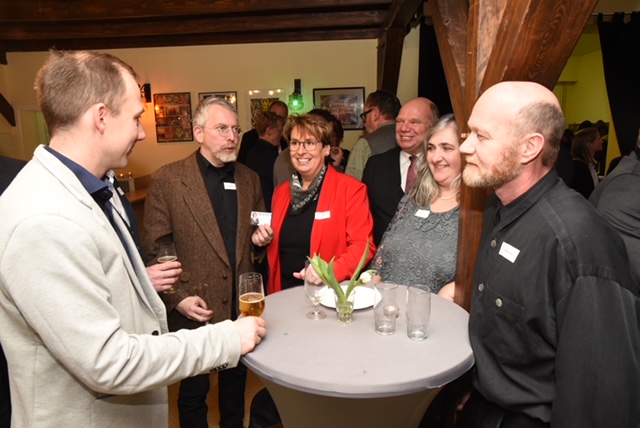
448 197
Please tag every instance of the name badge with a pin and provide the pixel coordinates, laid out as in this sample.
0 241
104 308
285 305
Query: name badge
422 213
229 186
120 191
509 252
323 215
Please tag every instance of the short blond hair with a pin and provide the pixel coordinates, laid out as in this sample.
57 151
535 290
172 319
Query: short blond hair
72 81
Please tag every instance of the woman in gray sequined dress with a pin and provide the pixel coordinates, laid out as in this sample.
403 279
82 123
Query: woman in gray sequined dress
419 246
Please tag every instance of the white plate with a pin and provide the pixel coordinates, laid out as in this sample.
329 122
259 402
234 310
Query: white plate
363 299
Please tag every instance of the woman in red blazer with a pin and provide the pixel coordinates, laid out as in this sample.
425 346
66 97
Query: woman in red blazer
319 211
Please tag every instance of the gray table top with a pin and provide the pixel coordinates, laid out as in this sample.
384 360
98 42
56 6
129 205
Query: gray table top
327 358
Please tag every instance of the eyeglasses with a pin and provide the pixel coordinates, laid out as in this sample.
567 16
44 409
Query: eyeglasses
363 116
223 130
309 145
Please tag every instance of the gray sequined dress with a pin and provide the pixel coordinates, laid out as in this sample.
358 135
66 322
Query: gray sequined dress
419 247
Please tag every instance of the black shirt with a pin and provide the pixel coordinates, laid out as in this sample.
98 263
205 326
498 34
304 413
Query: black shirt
221 188
295 242
554 322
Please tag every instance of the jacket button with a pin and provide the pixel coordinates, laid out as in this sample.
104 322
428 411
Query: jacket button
225 300
499 302
481 287
493 243
155 333
225 276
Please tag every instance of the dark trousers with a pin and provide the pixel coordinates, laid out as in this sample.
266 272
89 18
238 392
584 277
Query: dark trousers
192 399
481 413
5 396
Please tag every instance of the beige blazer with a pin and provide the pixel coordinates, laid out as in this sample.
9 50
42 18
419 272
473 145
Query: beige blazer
178 205
83 330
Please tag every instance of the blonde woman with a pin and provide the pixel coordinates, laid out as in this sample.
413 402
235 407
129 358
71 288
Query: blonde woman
419 246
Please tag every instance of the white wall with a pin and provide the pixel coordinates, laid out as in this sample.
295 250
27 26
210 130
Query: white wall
219 68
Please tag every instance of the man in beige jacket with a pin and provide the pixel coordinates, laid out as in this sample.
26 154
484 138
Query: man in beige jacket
84 331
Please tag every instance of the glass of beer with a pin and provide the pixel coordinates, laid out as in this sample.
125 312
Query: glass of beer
251 294
167 253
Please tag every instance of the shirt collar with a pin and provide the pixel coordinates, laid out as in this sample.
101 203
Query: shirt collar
506 214
405 157
92 184
205 166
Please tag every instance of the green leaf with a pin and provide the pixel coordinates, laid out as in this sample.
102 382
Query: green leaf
352 283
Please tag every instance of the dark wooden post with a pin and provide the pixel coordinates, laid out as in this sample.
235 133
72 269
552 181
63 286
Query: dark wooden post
483 42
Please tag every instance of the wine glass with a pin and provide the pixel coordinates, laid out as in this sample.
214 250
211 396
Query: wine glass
167 253
251 294
314 289
201 290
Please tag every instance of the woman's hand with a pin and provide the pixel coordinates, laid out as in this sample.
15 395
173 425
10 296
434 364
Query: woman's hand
448 291
262 236
312 275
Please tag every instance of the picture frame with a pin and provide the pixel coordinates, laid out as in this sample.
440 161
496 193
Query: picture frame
346 104
230 96
173 117
259 100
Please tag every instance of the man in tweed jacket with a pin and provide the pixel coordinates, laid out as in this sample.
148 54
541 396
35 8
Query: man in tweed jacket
203 204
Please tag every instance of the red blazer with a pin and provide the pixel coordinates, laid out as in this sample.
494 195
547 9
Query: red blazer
344 234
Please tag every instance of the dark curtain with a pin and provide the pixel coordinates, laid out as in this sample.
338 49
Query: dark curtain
432 82
620 44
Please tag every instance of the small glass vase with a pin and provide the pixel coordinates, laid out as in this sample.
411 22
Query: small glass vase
344 309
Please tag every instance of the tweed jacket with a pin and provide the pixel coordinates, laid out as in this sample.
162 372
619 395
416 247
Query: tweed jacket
178 204
83 329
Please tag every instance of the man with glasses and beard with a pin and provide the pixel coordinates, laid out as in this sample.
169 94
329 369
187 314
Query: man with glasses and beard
203 204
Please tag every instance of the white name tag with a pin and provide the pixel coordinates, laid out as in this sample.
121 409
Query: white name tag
229 186
422 213
509 252
323 215
120 191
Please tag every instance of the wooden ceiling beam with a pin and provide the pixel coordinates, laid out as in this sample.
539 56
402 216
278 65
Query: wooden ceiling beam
400 14
231 24
188 40
79 10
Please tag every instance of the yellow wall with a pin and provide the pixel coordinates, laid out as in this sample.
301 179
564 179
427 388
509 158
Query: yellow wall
216 69
583 94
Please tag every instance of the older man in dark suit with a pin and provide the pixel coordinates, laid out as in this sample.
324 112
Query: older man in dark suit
9 168
389 175
203 204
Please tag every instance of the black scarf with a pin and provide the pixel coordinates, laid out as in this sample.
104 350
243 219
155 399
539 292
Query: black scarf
301 198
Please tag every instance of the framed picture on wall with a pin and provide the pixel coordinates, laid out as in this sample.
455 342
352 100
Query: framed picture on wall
260 99
173 117
231 97
346 104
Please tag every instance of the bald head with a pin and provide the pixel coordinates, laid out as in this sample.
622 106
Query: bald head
528 107
414 120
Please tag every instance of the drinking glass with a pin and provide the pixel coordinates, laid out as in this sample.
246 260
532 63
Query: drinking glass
167 253
251 294
314 292
201 290
418 312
